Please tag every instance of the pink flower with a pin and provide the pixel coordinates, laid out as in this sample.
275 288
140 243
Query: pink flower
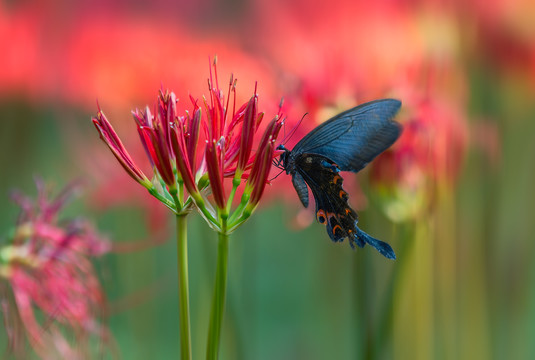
47 268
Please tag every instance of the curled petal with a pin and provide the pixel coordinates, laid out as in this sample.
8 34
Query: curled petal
247 134
109 136
194 125
215 174
178 144
263 160
155 142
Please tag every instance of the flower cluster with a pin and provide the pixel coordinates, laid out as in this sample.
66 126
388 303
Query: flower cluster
45 267
192 154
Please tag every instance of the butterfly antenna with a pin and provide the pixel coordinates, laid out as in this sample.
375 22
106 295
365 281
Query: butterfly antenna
292 132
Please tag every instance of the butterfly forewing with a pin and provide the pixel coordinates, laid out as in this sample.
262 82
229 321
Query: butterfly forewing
355 137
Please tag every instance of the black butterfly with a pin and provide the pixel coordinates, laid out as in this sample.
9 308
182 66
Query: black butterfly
347 142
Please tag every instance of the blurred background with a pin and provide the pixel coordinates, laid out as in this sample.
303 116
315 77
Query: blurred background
454 197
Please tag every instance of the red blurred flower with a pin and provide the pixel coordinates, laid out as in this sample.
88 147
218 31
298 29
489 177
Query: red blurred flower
48 269
86 50
428 155
433 143
359 51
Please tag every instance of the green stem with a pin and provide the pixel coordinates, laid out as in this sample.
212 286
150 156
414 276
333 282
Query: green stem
183 292
170 205
218 305
241 206
235 184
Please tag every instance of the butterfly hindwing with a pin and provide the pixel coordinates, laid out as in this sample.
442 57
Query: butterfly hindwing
332 207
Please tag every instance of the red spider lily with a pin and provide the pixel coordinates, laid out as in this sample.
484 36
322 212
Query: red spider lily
171 143
47 268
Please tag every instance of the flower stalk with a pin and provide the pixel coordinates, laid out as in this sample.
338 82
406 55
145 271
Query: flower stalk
218 302
183 287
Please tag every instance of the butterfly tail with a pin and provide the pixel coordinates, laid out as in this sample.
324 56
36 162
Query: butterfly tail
361 238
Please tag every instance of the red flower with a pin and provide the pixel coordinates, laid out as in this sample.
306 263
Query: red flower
171 143
428 155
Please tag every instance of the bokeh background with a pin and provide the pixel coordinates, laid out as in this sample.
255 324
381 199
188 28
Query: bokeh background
454 197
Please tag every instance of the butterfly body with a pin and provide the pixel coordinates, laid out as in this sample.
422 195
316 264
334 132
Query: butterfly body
347 142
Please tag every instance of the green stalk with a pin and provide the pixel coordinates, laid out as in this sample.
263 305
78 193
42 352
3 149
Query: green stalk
183 292
218 305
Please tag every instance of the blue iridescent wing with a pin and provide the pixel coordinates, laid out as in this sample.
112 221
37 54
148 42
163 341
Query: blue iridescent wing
332 207
355 137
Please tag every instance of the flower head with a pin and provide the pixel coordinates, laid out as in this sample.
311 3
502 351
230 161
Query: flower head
46 266
172 144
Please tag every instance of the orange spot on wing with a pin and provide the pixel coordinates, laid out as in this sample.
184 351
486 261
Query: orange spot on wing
320 215
336 226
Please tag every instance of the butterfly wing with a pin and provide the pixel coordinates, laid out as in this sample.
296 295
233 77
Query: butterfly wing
355 137
332 208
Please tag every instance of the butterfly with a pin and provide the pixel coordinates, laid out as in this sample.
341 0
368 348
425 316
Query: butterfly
346 142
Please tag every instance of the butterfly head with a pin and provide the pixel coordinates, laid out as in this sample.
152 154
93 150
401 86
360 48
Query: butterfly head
282 163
